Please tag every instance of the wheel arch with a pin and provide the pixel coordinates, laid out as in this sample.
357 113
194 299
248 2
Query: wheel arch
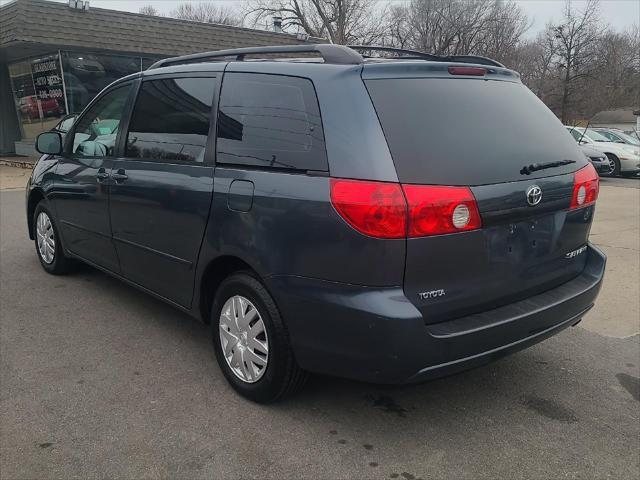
35 196
214 273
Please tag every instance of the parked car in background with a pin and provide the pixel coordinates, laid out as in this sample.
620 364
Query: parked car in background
618 136
328 217
624 159
48 107
598 159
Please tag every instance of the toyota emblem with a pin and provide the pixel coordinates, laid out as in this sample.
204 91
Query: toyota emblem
534 195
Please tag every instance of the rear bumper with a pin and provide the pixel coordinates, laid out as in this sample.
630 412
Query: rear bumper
377 335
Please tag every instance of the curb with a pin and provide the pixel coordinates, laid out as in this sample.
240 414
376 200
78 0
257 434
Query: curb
17 163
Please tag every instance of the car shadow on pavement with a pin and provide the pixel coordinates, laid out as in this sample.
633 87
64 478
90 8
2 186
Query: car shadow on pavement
476 391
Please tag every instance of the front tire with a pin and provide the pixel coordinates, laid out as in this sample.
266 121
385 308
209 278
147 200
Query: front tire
614 164
47 241
251 342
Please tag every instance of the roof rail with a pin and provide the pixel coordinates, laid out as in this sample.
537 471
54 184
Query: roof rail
408 54
338 54
330 53
415 55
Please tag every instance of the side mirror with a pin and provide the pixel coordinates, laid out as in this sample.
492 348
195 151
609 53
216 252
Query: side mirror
49 143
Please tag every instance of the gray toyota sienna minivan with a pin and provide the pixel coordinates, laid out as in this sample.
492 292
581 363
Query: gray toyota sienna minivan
388 219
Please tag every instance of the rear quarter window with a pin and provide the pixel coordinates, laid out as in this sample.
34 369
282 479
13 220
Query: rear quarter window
468 131
270 121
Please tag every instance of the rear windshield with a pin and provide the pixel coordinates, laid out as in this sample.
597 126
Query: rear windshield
444 131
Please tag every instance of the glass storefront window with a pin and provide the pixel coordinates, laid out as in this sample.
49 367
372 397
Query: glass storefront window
85 74
40 84
38 93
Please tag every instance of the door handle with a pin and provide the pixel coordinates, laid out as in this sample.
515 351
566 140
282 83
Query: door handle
101 175
119 176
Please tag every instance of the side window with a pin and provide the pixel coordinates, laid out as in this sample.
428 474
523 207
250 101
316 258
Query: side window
170 120
97 130
270 121
612 137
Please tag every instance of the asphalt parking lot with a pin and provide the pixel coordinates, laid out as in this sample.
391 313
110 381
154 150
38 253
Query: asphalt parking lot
100 380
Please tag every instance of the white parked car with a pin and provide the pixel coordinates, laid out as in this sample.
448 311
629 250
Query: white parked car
618 136
624 159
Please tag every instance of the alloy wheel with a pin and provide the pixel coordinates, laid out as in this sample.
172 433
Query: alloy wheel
243 338
46 238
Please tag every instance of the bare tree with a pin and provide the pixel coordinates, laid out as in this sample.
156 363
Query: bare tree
532 59
341 21
149 10
618 75
451 27
574 40
207 13
398 28
576 65
528 60
506 24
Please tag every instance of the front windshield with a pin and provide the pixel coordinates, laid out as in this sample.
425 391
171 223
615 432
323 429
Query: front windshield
611 136
596 137
629 138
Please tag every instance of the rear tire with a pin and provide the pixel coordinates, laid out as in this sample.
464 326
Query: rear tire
242 364
47 242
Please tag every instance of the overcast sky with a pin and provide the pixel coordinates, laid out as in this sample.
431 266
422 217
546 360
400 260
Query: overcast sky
618 13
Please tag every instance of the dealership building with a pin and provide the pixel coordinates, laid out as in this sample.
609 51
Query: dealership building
55 57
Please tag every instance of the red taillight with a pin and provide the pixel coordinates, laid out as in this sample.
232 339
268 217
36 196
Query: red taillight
435 210
379 209
585 187
473 71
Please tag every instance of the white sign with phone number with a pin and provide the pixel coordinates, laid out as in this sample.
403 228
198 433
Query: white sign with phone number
48 80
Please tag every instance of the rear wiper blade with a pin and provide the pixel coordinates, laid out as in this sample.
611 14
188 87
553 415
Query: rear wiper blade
534 167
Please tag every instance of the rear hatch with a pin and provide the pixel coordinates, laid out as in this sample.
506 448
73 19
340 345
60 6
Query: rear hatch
482 132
